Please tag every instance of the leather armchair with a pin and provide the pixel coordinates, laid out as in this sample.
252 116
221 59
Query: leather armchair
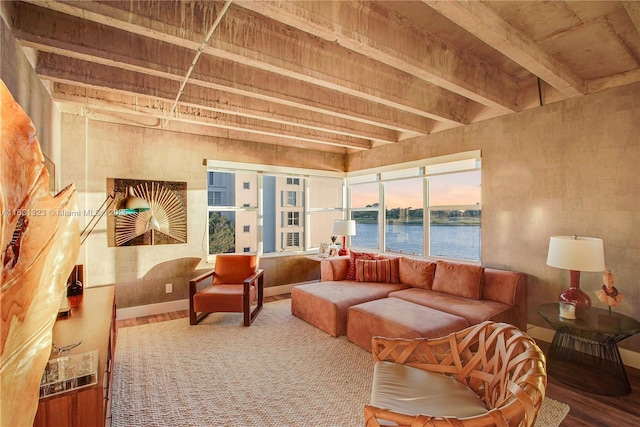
233 286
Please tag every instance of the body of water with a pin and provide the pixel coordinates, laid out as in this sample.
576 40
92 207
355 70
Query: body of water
462 242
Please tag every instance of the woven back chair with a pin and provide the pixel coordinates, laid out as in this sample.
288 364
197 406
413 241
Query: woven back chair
503 365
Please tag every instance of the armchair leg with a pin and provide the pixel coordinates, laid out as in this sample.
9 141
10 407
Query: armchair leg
249 316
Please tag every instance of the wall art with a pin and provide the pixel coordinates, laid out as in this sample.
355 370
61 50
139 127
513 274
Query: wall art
161 220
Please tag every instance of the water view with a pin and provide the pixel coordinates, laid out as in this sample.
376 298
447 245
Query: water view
462 241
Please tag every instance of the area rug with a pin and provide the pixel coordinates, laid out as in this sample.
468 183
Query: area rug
280 371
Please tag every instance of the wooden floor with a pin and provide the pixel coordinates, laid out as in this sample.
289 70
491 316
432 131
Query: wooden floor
586 409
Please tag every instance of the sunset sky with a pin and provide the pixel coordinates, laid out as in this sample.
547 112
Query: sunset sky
454 189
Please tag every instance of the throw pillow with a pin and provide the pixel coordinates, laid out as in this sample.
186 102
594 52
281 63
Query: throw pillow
381 271
417 273
463 280
353 256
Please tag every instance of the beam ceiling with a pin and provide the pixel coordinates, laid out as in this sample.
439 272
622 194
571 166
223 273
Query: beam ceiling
337 76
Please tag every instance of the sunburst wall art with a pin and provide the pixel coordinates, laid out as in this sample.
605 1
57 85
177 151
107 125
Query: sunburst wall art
165 220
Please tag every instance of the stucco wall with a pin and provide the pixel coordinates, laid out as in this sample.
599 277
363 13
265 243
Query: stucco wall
94 151
571 167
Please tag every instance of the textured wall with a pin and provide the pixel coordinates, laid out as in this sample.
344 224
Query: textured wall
566 168
94 151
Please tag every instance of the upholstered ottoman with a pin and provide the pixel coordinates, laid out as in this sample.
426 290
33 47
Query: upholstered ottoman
325 304
396 318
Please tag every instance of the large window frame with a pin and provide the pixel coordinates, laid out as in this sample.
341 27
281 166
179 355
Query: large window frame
425 170
297 225
313 215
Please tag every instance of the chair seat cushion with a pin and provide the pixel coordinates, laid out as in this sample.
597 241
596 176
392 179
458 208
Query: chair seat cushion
413 391
221 298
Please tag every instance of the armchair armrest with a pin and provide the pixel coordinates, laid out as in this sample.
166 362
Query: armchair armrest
196 281
258 276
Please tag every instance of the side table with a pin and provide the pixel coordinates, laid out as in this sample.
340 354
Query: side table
584 352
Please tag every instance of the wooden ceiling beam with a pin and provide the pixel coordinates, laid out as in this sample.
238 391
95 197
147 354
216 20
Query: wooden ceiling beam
63 36
263 45
91 97
51 66
381 35
633 10
479 20
132 118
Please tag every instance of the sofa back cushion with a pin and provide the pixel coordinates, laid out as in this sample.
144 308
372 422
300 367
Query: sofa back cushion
417 273
380 270
463 280
353 256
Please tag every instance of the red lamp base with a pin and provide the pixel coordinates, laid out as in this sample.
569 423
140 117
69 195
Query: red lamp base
343 249
574 294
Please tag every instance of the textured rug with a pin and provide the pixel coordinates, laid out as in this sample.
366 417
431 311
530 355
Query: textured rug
280 371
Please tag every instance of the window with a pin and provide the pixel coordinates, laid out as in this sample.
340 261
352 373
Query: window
424 208
293 219
443 194
365 205
270 217
291 198
293 239
246 249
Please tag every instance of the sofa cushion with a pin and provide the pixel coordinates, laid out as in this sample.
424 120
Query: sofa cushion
413 391
353 256
396 318
381 270
463 280
325 304
417 273
474 311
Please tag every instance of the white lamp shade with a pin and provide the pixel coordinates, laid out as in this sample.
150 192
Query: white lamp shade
576 253
344 227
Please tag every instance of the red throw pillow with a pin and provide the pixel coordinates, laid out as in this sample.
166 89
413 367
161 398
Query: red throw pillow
353 256
381 271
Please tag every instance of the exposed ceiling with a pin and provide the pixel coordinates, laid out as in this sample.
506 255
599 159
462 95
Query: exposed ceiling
333 76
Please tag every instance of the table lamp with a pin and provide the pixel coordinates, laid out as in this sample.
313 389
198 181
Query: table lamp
576 254
344 228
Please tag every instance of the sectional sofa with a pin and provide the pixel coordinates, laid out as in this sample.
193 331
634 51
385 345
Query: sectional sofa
364 295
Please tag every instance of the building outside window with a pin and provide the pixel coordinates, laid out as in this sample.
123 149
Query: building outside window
293 239
293 219
291 198
268 217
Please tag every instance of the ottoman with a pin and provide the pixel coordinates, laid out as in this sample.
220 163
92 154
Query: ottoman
325 304
396 318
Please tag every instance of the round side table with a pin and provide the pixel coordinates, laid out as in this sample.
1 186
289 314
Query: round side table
584 352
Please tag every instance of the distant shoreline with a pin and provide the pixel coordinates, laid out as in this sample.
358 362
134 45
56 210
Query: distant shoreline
465 222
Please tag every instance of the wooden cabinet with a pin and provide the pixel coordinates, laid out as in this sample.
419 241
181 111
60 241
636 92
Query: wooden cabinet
92 321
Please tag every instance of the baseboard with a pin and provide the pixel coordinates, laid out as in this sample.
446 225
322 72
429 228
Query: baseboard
183 304
283 289
152 309
630 358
